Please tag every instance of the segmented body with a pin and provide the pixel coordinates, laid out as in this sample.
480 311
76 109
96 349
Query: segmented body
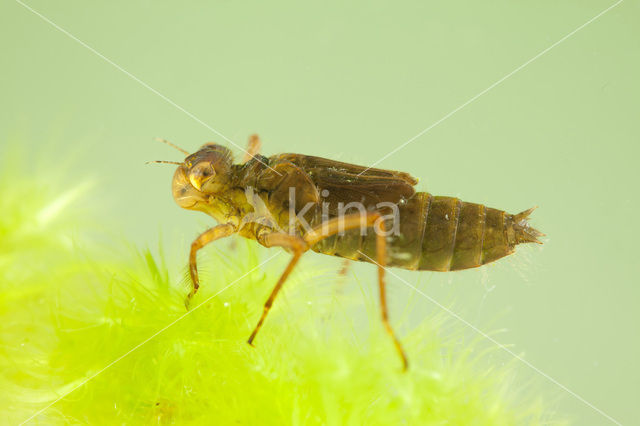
435 233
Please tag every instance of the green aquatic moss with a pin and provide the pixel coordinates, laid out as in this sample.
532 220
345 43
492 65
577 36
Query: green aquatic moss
93 337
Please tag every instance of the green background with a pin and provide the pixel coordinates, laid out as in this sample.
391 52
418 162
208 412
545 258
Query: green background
352 82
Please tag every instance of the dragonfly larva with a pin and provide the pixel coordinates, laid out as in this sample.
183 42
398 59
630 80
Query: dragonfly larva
302 203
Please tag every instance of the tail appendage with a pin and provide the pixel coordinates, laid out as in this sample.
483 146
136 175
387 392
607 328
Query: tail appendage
523 232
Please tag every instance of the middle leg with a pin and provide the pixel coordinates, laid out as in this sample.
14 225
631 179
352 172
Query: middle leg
291 242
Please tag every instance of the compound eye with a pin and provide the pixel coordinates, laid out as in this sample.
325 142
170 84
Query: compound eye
200 173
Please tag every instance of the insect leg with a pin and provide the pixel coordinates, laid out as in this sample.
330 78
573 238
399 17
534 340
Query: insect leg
208 236
253 148
277 239
381 254
352 221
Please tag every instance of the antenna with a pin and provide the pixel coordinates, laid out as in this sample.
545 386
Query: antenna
184 151
164 162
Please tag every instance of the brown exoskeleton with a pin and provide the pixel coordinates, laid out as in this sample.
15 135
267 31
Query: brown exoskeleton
301 202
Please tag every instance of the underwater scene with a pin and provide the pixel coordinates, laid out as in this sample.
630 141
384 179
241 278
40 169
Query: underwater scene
336 213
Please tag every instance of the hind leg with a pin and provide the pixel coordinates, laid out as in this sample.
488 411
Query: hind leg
353 221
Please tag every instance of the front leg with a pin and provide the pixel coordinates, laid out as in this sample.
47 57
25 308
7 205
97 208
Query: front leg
208 236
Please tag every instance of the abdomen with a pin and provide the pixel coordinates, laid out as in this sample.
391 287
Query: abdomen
439 234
